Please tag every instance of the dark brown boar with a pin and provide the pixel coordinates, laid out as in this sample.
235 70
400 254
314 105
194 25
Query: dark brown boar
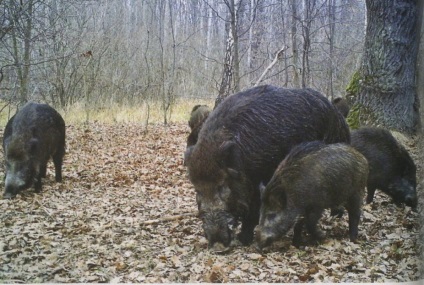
241 144
392 170
199 113
313 176
342 106
31 137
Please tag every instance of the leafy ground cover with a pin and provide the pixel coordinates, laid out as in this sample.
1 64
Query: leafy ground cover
107 222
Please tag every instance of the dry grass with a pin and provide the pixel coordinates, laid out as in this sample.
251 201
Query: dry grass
116 113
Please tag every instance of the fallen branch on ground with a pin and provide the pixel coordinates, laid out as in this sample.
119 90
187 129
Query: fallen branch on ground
169 218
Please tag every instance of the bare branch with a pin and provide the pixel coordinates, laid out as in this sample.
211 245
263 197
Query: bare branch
277 57
169 218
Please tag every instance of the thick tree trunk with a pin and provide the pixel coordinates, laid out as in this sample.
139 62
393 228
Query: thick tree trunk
420 91
384 88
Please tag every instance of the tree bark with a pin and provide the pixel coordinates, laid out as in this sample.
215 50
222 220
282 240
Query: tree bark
384 88
295 51
331 35
228 70
420 91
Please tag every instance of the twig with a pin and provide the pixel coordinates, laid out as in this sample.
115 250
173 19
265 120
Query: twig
169 218
277 57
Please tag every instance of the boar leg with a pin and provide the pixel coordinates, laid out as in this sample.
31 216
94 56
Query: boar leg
370 193
43 170
57 160
297 232
37 183
354 210
311 220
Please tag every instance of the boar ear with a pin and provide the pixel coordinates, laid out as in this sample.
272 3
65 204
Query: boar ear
230 156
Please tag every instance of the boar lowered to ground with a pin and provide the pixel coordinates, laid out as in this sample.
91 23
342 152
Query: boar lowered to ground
392 170
311 178
197 118
33 135
241 144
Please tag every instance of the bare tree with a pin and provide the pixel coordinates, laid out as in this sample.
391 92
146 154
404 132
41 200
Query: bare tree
22 35
296 81
102 52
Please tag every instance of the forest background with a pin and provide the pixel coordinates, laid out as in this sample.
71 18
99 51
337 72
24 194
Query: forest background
152 54
143 61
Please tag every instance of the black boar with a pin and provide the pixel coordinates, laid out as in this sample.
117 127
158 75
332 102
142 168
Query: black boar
392 170
197 118
241 144
342 106
33 135
311 178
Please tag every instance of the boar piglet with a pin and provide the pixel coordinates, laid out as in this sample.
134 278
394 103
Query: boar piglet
312 177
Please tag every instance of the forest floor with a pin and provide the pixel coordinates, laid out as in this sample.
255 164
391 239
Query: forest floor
98 225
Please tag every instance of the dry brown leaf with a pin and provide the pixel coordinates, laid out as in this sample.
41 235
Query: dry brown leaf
89 227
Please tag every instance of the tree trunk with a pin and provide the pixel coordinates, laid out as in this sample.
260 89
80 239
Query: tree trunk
295 51
420 91
23 65
384 88
331 26
229 71
234 32
309 5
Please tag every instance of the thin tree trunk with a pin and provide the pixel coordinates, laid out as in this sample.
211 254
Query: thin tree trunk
332 24
228 72
236 62
295 51
306 31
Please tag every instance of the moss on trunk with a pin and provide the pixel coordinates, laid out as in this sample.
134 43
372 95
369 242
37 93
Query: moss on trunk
383 90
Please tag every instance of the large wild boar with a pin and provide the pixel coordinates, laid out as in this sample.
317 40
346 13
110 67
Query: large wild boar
241 144
31 137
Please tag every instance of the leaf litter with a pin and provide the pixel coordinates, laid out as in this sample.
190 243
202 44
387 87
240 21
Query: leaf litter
105 223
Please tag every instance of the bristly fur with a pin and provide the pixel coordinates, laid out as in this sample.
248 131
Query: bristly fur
31 137
313 177
263 123
392 170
